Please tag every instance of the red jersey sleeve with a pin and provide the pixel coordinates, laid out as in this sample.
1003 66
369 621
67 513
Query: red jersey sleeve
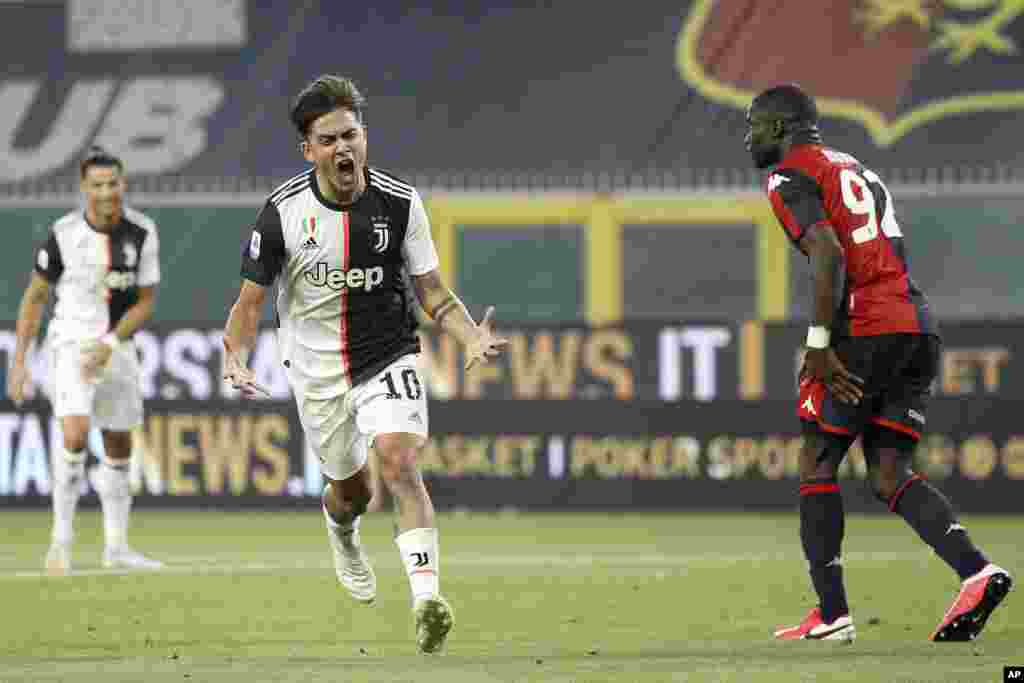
796 200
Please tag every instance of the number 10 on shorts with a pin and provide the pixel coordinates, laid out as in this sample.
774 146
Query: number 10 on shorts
407 380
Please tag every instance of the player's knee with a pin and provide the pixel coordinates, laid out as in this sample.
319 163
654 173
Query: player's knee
75 441
888 454
118 446
886 482
351 496
396 457
820 457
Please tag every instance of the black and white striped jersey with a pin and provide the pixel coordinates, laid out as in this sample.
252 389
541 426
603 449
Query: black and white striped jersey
344 310
97 274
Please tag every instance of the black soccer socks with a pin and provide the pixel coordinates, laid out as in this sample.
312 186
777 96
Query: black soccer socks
821 532
930 514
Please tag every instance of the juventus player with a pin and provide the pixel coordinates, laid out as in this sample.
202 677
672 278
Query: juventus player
336 240
103 265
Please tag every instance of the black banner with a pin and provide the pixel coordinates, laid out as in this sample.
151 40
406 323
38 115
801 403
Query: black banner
652 414
657 360
532 454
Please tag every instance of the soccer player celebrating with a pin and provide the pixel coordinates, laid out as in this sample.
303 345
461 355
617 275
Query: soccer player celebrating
103 265
336 239
872 353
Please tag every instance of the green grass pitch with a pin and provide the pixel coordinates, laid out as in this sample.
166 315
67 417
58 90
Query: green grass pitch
251 596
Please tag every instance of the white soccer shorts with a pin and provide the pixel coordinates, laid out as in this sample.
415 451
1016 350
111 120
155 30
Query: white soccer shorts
113 401
341 430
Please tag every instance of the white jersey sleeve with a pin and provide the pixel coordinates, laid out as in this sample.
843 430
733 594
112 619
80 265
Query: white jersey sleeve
149 260
418 248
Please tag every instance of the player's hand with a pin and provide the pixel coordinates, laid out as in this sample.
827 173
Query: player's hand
824 365
95 356
485 345
239 376
17 383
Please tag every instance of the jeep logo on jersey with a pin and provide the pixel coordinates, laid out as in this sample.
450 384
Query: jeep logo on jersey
899 51
119 280
338 279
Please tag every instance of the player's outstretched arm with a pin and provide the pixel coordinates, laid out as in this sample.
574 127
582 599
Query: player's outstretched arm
30 316
240 337
441 304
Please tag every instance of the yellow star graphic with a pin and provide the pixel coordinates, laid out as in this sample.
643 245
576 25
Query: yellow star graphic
964 39
878 15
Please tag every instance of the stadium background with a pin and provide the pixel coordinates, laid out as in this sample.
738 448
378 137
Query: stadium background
587 177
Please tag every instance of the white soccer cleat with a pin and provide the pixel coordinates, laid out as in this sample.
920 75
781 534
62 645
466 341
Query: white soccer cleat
126 558
58 559
434 619
352 567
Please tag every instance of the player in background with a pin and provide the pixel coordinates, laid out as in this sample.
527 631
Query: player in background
872 353
102 263
336 239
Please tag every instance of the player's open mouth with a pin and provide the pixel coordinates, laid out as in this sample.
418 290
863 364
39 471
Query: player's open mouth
346 167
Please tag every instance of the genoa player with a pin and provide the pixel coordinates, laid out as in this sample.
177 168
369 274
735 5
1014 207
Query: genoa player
872 353
337 240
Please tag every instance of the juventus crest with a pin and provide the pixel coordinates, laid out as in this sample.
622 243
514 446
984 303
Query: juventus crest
381 235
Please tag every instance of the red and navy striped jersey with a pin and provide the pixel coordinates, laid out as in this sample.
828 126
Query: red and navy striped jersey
814 183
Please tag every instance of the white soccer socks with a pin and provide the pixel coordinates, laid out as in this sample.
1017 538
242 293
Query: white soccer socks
68 474
418 548
350 562
433 614
114 489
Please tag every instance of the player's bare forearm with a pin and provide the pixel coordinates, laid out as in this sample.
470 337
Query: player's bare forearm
30 316
441 304
137 314
244 320
826 257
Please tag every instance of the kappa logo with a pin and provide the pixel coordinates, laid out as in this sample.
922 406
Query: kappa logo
808 405
774 180
887 39
131 255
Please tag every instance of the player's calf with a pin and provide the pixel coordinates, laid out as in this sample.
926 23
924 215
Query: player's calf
351 564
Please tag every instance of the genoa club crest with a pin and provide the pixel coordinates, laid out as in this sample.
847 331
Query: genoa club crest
889 65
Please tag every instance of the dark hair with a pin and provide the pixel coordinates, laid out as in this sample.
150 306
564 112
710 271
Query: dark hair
324 95
97 156
789 102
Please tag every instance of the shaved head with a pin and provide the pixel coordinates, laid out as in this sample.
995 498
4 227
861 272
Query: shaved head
787 102
775 119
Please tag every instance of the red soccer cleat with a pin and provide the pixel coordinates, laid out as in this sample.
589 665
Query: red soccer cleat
813 628
979 595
